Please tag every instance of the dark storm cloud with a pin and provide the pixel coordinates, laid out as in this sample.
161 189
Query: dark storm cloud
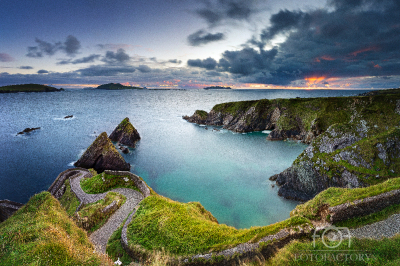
6 57
105 71
88 59
354 39
71 47
144 69
215 11
42 71
116 57
201 37
281 22
208 63
25 67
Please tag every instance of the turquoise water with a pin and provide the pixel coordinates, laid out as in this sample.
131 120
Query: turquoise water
226 172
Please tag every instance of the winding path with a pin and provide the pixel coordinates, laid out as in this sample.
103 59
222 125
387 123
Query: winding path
100 237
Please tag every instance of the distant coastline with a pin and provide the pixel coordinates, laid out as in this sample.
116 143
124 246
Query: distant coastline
217 88
28 88
117 86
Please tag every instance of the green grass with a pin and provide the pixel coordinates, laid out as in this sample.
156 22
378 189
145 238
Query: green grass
371 218
203 114
187 228
96 184
41 233
69 200
380 252
334 196
91 215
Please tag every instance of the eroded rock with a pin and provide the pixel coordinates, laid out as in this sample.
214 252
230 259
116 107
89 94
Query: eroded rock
125 133
102 155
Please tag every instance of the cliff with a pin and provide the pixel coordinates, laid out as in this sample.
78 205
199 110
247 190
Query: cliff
28 88
125 133
354 141
102 155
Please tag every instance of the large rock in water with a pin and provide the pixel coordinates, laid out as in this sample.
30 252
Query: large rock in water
102 155
125 134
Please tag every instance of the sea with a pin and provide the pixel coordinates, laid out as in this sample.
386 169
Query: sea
226 172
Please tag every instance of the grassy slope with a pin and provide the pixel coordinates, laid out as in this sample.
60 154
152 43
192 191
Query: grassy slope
96 185
334 196
380 252
41 233
187 228
27 88
69 200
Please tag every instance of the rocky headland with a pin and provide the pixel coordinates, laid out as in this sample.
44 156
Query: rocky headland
102 155
125 133
28 88
354 141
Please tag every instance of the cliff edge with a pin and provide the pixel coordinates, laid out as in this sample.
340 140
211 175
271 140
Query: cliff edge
354 141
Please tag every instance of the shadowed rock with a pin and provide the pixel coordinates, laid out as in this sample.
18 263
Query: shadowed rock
125 134
28 130
102 155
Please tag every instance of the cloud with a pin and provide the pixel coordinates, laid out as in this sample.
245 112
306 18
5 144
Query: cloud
116 46
349 38
208 63
99 71
25 67
201 37
144 69
116 57
174 61
6 57
88 59
215 11
42 71
71 47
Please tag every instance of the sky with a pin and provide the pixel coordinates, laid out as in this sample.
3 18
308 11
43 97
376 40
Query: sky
332 44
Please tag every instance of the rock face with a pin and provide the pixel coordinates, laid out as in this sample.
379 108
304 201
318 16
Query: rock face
354 141
125 134
102 155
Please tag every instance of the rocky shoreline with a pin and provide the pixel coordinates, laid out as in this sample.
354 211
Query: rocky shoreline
354 141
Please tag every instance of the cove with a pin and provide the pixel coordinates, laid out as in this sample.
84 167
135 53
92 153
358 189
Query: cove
226 172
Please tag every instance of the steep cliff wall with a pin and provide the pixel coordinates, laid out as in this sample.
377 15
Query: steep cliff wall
354 141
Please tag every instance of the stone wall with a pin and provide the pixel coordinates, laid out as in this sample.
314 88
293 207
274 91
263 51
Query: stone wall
139 183
364 206
7 208
57 189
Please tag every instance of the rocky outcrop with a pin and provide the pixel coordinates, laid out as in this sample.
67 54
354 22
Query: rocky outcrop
102 155
28 130
354 141
199 117
125 134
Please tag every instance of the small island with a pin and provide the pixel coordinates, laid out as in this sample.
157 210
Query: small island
217 88
28 88
117 86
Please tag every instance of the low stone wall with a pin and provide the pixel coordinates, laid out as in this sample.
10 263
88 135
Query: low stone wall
364 206
139 183
7 208
57 189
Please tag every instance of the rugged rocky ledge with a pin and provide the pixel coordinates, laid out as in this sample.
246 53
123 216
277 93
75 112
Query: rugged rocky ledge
354 141
102 155
125 134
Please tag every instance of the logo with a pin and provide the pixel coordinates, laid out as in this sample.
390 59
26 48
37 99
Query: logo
333 234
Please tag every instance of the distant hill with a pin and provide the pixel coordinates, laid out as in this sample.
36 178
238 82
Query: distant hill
28 88
117 86
217 88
